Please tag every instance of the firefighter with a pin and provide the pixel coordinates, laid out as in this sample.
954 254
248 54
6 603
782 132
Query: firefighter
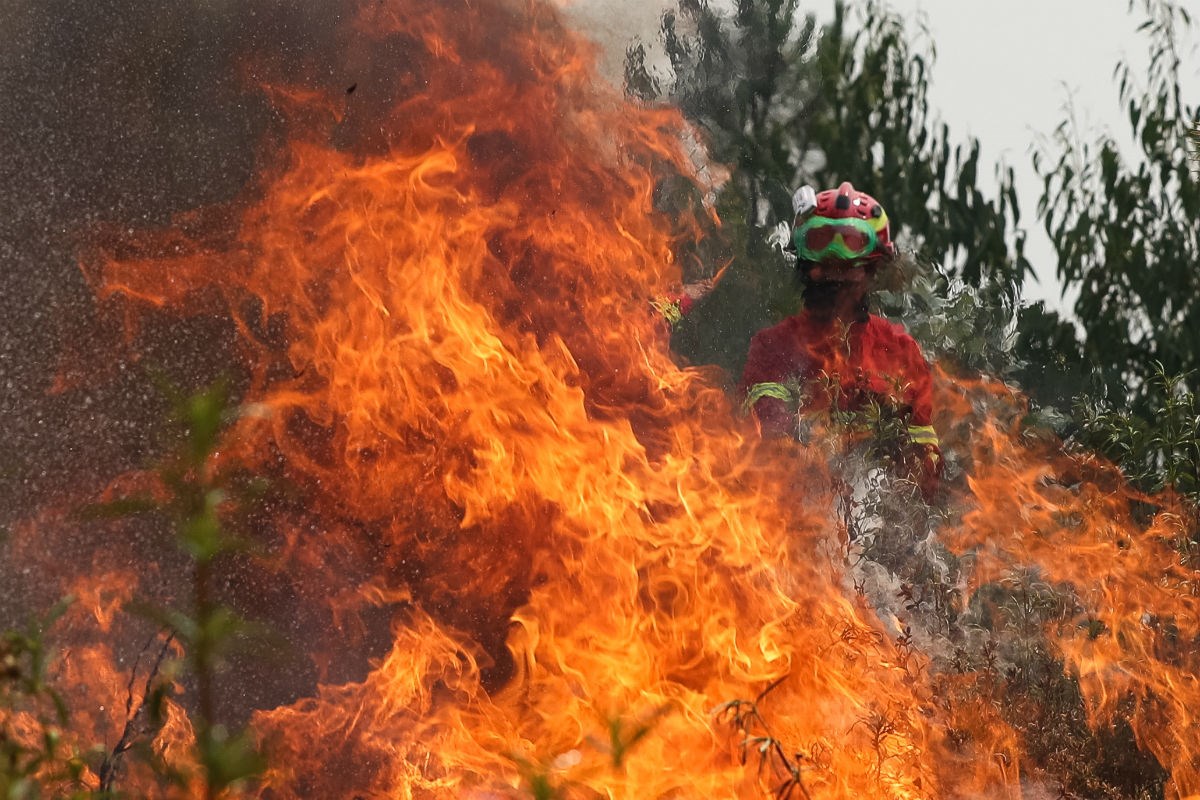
834 355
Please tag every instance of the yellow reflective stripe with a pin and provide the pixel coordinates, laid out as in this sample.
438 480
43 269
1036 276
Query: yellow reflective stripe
669 308
923 434
760 390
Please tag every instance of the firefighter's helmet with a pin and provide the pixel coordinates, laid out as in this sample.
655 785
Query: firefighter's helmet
840 225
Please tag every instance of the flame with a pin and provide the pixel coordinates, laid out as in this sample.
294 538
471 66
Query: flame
1131 565
441 287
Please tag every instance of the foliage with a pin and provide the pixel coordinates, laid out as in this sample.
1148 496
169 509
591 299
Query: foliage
200 498
872 125
1194 134
973 326
27 768
1005 659
1160 453
742 81
757 742
1126 240
853 105
783 103
1121 232
548 779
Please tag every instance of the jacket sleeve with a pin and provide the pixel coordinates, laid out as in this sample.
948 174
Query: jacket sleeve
921 433
920 392
762 391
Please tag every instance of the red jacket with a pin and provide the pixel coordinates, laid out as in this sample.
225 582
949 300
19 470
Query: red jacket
791 364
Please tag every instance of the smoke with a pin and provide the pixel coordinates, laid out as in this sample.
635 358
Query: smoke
118 115
613 25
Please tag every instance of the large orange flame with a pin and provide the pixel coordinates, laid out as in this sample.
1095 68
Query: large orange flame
441 293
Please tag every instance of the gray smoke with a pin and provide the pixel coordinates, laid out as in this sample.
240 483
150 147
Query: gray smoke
114 115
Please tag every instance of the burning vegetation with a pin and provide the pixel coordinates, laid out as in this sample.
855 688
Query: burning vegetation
508 546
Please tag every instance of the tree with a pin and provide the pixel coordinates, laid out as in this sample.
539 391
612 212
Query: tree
1195 137
782 104
871 122
1126 239
1121 231
744 82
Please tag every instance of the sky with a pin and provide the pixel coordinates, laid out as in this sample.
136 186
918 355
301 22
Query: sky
1004 73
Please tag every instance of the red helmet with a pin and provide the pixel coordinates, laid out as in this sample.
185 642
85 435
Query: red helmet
840 224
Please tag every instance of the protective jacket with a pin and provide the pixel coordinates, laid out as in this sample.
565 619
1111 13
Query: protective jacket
808 363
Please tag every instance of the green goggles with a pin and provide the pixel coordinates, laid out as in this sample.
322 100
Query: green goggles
823 239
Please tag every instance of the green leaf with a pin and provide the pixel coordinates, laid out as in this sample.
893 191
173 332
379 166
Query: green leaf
203 415
229 758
